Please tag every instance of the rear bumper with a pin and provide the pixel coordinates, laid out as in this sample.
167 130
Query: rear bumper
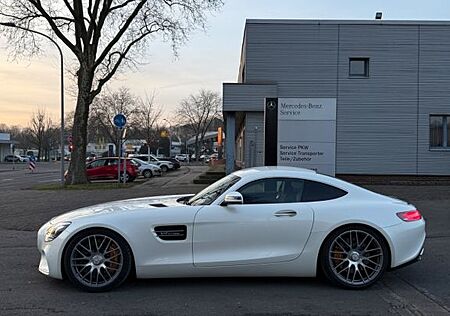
407 242
157 172
416 259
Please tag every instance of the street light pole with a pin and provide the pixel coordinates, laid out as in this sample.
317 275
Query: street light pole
10 24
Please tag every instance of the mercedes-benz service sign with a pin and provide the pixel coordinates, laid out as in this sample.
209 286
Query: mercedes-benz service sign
120 120
307 133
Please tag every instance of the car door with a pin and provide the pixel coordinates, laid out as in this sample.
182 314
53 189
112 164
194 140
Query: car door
271 226
110 169
95 169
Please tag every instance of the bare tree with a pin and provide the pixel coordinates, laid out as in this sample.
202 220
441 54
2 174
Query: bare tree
39 130
146 123
197 112
106 106
103 36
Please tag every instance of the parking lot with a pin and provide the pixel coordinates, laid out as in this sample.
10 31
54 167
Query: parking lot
420 289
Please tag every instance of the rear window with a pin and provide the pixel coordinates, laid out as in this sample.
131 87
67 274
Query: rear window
316 191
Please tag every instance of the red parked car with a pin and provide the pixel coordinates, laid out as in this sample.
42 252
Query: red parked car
106 168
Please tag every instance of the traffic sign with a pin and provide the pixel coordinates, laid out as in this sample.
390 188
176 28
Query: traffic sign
120 120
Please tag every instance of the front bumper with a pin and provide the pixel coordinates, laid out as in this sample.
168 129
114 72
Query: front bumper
51 253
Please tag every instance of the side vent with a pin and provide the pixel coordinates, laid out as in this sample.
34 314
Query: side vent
173 232
158 205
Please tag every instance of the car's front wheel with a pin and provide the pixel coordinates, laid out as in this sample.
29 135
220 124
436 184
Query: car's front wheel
147 174
164 168
97 260
354 257
125 177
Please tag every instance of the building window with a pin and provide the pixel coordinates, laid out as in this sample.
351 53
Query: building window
440 131
358 67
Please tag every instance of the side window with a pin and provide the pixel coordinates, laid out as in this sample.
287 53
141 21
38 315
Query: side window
98 163
315 191
112 162
273 190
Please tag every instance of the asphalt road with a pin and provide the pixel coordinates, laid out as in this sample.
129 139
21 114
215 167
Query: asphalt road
420 289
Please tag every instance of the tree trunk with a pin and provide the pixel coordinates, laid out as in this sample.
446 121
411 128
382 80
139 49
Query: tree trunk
77 168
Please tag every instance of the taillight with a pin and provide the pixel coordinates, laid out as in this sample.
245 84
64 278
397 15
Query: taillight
410 216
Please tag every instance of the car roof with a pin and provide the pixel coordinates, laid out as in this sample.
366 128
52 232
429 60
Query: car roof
245 172
100 158
284 171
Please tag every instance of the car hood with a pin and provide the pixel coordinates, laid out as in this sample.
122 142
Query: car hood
122 206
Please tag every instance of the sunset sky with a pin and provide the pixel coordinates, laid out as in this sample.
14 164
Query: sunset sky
206 61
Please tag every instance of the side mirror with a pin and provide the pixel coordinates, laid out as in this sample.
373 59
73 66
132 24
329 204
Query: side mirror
233 198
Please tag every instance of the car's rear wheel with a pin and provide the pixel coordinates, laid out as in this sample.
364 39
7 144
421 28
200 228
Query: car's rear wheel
354 257
97 260
147 174
164 168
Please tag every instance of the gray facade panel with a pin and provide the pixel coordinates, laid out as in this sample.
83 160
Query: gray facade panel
377 115
434 94
290 33
302 60
246 97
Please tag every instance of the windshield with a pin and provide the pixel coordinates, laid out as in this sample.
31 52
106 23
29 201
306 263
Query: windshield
139 161
208 195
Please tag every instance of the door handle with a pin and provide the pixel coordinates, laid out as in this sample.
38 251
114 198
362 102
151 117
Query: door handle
285 213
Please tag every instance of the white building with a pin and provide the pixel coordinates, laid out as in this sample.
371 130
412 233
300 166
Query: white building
5 145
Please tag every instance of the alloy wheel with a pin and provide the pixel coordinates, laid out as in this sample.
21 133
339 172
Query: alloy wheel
124 177
356 257
96 260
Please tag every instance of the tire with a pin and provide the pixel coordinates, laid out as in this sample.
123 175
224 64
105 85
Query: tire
147 173
97 260
127 177
354 257
164 168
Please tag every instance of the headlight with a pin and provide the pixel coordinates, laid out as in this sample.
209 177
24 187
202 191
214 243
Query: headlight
55 230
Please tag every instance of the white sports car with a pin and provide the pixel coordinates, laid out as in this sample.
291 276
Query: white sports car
268 221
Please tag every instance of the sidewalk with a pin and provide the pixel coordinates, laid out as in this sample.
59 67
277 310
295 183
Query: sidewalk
7 167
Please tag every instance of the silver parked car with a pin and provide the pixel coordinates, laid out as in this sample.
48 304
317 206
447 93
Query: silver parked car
147 170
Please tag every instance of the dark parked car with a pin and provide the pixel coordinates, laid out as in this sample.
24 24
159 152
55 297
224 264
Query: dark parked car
11 158
106 169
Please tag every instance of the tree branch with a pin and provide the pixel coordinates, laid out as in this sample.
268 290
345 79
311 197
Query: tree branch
121 57
120 33
65 40
124 4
